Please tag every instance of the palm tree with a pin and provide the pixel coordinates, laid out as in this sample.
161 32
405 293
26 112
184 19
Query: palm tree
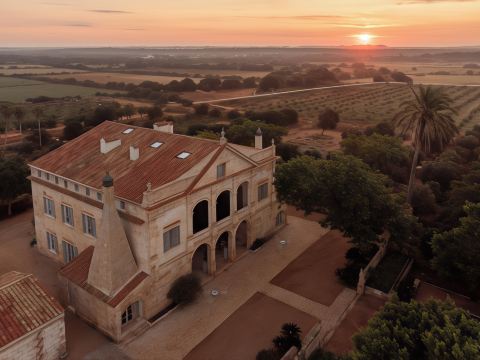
19 114
38 112
430 119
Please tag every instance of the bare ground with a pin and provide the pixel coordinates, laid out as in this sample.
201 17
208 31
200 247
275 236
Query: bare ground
250 329
312 274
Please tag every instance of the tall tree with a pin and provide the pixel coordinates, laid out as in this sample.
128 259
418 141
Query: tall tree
355 199
429 116
13 180
19 114
38 112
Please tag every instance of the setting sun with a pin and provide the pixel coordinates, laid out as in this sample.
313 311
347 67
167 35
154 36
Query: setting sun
365 39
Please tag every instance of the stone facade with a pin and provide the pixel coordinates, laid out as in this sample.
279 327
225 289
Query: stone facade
215 180
47 343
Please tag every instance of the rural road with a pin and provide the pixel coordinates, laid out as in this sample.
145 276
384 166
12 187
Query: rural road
317 88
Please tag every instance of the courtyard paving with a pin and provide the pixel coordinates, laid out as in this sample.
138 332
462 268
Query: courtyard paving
175 336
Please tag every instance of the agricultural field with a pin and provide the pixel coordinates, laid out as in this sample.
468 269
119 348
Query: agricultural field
358 106
16 90
34 70
105 77
213 72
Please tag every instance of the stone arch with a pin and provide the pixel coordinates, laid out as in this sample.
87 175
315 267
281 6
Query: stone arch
242 195
200 219
241 237
200 259
223 205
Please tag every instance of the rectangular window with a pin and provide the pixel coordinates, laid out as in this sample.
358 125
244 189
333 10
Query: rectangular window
69 251
52 242
131 313
47 176
171 238
99 196
221 170
122 205
39 173
56 180
87 191
262 191
65 184
49 207
77 188
67 215
89 225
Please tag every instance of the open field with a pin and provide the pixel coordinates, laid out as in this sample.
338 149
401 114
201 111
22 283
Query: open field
17 90
446 79
35 70
105 77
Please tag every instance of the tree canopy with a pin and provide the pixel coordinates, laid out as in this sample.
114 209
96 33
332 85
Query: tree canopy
243 133
328 119
381 152
355 199
13 179
457 252
432 331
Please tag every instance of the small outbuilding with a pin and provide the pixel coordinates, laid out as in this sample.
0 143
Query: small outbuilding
32 323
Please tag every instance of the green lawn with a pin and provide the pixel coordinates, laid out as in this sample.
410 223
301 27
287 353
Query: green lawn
17 90
385 274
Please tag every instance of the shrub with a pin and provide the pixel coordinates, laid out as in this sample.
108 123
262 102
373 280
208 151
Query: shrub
233 114
267 354
72 130
287 151
470 142
257 244
201 109
215 113
185 289
328 119
443 172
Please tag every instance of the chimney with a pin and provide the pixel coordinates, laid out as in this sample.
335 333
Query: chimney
223 139
107 146
134 152
258 140
166 126
113 264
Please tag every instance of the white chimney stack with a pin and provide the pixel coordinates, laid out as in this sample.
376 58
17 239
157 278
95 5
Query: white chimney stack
134 153
107 146
166 127
258 140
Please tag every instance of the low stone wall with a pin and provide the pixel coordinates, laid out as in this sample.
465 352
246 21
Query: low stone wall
365 273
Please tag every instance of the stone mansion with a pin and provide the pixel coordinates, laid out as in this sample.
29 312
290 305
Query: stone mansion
128 210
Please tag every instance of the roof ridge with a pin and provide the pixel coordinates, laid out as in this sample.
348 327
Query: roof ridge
21 277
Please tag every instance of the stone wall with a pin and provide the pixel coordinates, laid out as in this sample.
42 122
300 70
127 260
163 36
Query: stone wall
46 343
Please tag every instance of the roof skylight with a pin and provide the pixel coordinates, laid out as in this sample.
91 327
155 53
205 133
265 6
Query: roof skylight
183 155
127 131
156 144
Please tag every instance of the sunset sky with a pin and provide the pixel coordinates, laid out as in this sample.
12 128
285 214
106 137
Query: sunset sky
243 23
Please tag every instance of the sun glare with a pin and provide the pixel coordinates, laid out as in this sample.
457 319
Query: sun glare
365 39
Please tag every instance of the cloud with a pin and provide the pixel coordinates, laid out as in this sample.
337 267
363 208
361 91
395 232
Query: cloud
78 25
296 17
109 11
410 2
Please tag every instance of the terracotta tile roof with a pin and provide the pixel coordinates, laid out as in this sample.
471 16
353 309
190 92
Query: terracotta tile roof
81 160
77 272
24 306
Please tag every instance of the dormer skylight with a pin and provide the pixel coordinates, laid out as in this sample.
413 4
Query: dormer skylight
156 144
127 131
183 155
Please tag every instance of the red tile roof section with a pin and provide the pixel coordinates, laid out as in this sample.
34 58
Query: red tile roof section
77 272
24 306
81 160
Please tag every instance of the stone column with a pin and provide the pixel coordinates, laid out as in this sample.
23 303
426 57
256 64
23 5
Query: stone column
212 266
